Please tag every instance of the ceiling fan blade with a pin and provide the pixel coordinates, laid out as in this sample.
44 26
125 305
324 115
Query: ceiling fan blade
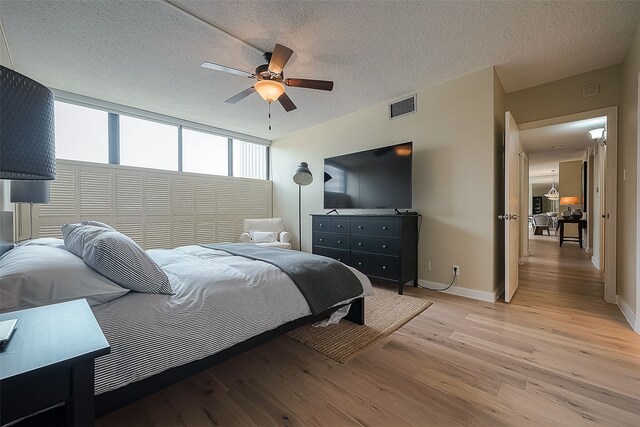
240 96
310 84
279 58
286 102
222 68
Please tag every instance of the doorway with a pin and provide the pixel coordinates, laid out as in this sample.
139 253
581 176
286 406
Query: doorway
549 144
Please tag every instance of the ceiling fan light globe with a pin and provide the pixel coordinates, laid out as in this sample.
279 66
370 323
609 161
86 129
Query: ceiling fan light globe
269 90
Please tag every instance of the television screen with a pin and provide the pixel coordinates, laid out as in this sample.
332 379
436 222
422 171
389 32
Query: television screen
372 179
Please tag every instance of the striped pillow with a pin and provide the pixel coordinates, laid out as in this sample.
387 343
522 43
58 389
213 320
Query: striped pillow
119 258
75 235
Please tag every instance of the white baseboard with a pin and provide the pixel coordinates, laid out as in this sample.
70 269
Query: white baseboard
628 314
595 262
463 292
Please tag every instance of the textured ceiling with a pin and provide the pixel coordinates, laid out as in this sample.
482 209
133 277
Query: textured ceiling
549 145
146 54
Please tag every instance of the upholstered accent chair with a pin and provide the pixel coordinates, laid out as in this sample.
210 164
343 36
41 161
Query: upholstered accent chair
266 232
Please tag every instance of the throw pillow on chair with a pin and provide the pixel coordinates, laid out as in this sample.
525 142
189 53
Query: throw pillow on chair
262 236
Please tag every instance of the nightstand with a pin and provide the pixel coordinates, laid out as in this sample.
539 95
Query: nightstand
49 360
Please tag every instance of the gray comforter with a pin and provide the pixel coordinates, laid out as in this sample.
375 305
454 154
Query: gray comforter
322 281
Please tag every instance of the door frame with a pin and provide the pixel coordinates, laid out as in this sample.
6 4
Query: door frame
525 196
637 325
611 185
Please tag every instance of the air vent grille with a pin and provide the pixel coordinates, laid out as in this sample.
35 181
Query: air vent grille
402 107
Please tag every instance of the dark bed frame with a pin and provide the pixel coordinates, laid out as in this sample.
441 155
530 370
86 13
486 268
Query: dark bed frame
115 399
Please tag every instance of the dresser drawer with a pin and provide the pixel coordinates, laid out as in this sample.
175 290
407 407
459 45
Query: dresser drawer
377 245
362 227
339 225
386 228
321 224
331 240
343 256
383 266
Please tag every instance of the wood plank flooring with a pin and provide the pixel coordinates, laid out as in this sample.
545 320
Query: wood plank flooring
557 355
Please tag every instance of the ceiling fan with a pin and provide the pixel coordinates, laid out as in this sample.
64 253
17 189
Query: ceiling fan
270 79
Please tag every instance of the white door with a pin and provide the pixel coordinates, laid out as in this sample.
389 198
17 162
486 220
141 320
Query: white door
511 205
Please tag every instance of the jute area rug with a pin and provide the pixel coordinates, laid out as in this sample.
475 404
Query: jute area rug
385 312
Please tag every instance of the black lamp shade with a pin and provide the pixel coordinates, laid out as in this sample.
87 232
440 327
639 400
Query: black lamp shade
29 191
27 128
303 175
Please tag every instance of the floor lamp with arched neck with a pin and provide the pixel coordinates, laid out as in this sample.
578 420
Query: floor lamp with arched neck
302 177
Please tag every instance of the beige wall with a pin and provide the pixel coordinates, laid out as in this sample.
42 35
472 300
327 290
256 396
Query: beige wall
564 97
628 189
453 173
569 181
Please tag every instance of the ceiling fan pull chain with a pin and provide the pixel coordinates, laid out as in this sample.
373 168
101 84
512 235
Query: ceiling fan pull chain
269 116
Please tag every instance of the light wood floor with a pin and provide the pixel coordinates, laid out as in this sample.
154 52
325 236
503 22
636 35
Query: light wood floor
558 354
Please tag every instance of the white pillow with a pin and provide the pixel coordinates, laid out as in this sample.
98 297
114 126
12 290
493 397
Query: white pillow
44 272
262 236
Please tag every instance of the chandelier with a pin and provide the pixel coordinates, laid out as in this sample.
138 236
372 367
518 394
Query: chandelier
553 193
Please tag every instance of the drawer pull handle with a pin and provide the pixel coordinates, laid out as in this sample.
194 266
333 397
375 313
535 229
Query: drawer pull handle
321 225
359 263
359 243
384 246
384 227
322 240
384 267
361 227
339 225
339 242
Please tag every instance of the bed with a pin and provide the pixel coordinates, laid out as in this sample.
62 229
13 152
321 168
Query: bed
220 305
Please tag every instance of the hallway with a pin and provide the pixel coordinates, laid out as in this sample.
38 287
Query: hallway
563 279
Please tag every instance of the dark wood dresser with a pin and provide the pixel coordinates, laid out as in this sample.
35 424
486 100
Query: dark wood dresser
380 246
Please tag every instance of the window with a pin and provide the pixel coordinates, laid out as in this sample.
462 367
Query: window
81 133
148 144
249 160
204 153
149 140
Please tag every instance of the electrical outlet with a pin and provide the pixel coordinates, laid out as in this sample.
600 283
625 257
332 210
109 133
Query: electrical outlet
427 266
455 270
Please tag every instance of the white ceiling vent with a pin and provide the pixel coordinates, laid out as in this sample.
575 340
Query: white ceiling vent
403 107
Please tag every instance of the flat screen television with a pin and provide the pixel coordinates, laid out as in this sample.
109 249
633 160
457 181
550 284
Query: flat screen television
372 179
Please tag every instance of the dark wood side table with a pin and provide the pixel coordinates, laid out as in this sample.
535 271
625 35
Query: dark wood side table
582 223
50 360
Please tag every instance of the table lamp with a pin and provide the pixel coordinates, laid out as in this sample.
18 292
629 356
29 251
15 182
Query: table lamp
27 139
27 133
575 213
31 192
27 129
